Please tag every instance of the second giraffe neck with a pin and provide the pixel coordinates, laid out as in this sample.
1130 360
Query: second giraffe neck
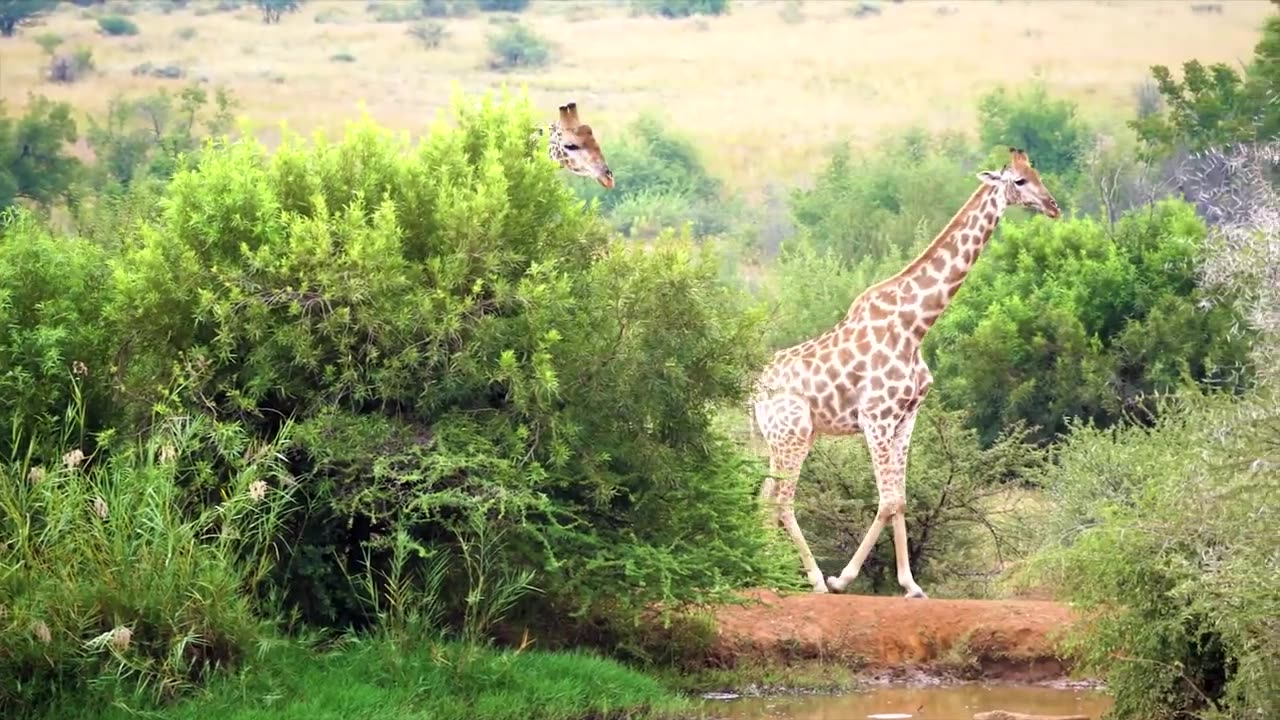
939 271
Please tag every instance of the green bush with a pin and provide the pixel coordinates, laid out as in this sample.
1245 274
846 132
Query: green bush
55 345
516 46
661 181
1164 537
117 25
1216 105
463 352
1048 129
1071 319
680 8
113 583
34 163
887 202
513 6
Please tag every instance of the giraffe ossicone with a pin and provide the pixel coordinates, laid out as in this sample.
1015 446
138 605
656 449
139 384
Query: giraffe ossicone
866 375
573 146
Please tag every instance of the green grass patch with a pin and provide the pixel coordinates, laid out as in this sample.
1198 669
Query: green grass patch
369 678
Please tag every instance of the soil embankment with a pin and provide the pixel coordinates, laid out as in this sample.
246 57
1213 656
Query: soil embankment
1012 640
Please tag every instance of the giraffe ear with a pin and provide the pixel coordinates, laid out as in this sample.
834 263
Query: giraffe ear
990 178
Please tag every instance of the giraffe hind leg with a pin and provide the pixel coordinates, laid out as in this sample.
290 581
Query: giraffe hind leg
788 428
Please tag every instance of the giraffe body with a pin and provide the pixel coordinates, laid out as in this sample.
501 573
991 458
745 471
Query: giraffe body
866 375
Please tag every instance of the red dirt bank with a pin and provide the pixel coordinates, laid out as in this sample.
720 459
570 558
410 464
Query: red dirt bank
1004 639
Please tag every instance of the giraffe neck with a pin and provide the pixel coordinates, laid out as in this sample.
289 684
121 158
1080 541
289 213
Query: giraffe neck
933 278
554 144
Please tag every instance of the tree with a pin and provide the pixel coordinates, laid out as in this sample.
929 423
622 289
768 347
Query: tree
1048 129
14 13
34 163
1216 105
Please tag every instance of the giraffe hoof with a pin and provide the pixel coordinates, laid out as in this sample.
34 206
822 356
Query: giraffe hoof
834 584
917 594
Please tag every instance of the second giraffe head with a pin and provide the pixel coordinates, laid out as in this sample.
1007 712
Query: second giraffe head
1021 185
578 152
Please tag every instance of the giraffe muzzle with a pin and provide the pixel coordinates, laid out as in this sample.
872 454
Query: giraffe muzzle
606 178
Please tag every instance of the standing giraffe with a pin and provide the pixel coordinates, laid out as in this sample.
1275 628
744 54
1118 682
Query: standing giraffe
571 144
866 373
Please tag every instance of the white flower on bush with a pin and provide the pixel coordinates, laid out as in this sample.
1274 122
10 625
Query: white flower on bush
35 475
257 490
100 508
73 459
41 631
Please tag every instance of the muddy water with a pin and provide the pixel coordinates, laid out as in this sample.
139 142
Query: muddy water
955 702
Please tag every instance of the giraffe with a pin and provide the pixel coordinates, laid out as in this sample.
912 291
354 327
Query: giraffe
572 145
866 374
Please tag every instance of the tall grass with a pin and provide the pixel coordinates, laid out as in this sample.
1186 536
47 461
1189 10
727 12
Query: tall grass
114 578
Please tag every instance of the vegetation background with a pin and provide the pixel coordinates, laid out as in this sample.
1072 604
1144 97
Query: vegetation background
403 398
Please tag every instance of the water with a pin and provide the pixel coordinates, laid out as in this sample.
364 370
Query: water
952 702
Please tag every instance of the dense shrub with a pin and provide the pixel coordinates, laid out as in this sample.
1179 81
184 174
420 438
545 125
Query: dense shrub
1216 104
464 353
888 201
54 343
680 8
662 181
1068 319
117 25
1047 128
112 583
516 46
1161 536
142 138
34 162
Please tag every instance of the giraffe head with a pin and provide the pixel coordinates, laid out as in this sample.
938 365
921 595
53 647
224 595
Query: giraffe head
1021 185
574 146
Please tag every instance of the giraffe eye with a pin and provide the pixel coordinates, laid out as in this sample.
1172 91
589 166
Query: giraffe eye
1020 182
570 146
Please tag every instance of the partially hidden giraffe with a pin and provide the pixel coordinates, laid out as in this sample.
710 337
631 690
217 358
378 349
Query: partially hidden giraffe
866 374
572 145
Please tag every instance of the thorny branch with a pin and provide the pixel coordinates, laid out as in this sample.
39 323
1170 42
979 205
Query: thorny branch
1232 189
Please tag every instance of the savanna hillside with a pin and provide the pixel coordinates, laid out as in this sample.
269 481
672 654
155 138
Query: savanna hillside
407 405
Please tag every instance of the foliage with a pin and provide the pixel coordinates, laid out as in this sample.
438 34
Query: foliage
513 6
1216 105
111 580
680 8
1159 534
461 349
117 25
144 138
954 501
516 46
814 289
431 33
34 162
1048 129
15 13
1065 319
54 344
889 202
272 10
661 181
364 678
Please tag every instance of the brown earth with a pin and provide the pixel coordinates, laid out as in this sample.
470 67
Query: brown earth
995 639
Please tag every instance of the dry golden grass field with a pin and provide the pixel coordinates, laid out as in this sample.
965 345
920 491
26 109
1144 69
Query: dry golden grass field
764 90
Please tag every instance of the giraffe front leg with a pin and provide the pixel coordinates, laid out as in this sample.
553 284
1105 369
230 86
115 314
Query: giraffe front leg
885 441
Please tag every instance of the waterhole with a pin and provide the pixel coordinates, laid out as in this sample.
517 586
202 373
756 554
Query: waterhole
954 702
